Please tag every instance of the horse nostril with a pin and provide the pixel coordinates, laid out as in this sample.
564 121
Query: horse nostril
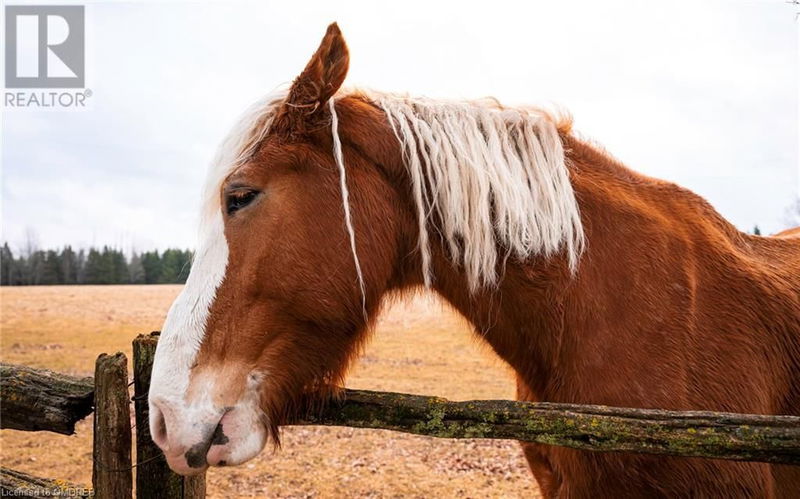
218 437
158 426
217 451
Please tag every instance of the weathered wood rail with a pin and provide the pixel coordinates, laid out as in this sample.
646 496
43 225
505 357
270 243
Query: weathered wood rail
741 437
35 399
40 399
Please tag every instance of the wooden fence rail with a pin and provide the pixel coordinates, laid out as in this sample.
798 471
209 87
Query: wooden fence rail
740 437
37 399
747 437
40 399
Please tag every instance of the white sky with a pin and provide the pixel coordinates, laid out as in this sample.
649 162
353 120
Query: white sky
704 94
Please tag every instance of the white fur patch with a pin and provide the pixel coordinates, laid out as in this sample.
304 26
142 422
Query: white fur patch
184 328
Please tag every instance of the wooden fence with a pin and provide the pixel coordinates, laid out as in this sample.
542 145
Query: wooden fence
41 400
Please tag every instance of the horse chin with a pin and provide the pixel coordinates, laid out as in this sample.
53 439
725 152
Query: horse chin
240 436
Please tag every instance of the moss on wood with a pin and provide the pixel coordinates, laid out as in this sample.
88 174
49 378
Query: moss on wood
742 437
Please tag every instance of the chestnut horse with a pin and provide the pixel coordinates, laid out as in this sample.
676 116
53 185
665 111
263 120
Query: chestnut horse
598 285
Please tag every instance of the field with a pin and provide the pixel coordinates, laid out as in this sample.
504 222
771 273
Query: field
420 346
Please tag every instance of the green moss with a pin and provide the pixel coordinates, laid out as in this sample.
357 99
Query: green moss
433 423
478 430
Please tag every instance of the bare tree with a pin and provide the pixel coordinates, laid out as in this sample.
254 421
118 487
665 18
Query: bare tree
31 244
32 270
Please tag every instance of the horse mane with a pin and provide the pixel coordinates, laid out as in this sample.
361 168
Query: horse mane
486 177
490 180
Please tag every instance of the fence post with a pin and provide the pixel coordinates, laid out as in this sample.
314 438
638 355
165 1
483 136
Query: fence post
112 476
154 479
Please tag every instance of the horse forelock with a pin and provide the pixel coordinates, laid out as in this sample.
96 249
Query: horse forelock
237 148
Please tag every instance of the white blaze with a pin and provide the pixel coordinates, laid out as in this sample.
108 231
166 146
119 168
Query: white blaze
185 326
183 331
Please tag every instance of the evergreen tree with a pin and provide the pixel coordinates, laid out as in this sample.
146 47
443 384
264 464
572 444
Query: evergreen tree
171 262
106 266
94 273
119 268
51 269
7 265
151 263
69 266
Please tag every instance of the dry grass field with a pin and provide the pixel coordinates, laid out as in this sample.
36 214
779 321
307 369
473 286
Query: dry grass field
420 346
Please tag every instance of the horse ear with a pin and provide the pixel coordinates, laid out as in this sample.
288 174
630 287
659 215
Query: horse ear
318 82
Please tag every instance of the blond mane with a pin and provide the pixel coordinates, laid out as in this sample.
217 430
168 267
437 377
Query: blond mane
492 177
490 180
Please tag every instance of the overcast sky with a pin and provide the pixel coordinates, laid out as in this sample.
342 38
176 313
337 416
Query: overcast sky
704 94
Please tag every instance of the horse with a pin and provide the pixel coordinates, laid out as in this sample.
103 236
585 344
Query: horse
596 284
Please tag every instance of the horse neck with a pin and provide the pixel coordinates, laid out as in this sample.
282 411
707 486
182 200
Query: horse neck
525 318
520 319
530 317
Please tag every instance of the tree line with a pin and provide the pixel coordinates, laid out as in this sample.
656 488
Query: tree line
104 265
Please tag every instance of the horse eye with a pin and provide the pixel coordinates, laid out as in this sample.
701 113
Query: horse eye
236 200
